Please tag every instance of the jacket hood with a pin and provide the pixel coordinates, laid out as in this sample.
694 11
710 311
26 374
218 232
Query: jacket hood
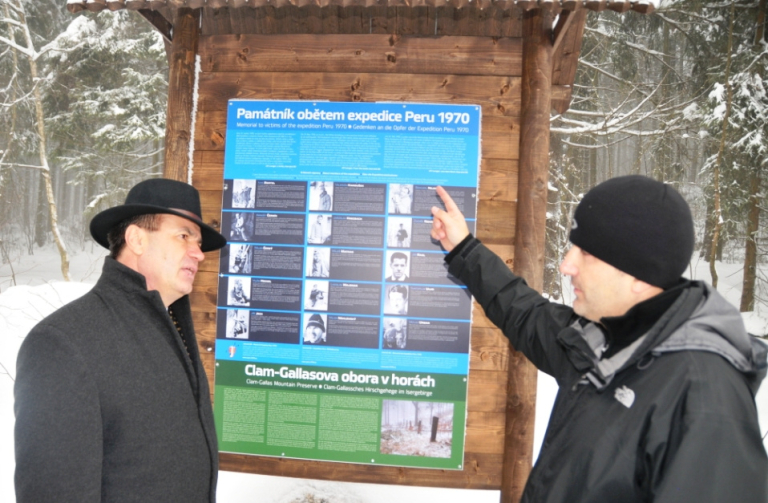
716 326
699 320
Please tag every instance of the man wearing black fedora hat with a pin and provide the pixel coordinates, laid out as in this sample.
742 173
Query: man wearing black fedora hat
656 373
112 401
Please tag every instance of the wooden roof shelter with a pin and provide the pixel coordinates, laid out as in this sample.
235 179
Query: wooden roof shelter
516 59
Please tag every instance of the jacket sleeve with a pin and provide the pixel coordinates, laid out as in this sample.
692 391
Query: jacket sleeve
528 320
58 432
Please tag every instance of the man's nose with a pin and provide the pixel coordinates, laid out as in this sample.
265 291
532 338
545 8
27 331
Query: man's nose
196 253
567 266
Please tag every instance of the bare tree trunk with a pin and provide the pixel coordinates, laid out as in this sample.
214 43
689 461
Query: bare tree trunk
750 252
44 168
718 217
753 216
14 113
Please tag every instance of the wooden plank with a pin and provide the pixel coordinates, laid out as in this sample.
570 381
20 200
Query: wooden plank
497 95
405 19
534 159
363 53
265 20
495 221
444 21
565 57
500 135
181 81
310 19
487 390
353 19
221 22
205 332
425 20
287 19
490 349
331 19
210 202
236 20
481 471
208 171
485 432
498 180
512 23
379 19
482 21
248 20
463 22
529 239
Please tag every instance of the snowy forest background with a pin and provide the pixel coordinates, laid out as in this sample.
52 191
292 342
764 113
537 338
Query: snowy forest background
679 95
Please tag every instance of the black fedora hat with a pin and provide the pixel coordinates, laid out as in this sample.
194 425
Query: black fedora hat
158 195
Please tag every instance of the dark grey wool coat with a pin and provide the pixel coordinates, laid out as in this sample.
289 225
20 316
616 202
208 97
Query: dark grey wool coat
109 406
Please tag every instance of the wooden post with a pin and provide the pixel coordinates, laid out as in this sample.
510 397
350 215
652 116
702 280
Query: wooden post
529 239
181 83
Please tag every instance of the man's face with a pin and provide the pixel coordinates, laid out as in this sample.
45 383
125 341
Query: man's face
398 267
170 259
397 301
313 334
601 290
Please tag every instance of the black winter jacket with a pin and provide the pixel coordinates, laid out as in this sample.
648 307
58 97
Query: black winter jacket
109 407
669 418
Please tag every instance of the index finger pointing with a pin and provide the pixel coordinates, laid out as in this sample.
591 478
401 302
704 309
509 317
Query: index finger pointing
450 205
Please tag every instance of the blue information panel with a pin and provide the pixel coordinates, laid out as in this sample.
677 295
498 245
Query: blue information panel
340 334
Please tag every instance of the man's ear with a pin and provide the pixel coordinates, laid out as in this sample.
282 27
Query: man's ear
645 290
136 239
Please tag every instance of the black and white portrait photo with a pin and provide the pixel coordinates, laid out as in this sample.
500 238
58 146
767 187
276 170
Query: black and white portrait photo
399 232
314 328
241 227
316 295
239 291
237 323
396 301
400 198
240 259
321 196
318 262
244 194
398 266
319 231
394 333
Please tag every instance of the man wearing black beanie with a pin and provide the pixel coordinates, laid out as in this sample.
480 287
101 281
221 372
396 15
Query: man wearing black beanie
657 373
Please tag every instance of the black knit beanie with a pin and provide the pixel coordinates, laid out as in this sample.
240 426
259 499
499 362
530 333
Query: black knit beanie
639 226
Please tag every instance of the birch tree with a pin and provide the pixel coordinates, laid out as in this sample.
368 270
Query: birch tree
19 41
679 95
91 100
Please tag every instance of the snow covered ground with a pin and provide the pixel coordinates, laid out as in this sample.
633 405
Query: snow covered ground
36 293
